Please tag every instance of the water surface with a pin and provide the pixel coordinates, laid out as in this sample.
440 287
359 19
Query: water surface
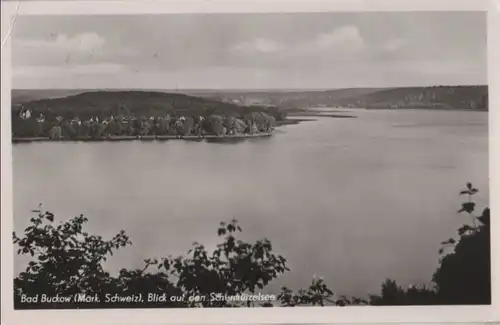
353 200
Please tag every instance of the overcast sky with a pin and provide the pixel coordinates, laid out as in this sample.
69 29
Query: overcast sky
308 50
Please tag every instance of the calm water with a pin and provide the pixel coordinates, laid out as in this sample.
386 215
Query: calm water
353 200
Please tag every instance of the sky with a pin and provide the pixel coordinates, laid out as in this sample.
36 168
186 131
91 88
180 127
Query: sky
250 51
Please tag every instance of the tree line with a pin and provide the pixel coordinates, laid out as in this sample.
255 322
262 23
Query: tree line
98 114
58 127
66 260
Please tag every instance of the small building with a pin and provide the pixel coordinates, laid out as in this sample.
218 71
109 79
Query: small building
41 118
24 113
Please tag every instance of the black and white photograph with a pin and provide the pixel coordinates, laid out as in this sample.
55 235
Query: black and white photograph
182 160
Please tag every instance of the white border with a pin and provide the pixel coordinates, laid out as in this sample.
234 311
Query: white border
262 315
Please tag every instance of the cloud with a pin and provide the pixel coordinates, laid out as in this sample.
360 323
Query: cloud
394 44
262 45
86 42
276 49
77 69
341 38
317 50
59 49
341 43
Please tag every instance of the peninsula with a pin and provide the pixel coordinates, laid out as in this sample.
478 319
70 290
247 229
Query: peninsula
128 115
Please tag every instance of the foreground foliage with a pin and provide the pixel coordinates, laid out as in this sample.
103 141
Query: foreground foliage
66 260
464 273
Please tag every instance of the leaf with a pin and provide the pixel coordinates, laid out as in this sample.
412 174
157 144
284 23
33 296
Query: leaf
469 185
485 217
441 250
466 192
467 207
50 217
340 303
449 241
462 230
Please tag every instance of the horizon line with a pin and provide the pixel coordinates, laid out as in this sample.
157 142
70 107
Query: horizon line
256 89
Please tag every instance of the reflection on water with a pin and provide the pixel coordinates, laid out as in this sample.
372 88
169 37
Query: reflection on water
353 200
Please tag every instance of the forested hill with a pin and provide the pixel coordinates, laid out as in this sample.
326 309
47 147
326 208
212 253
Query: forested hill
287 98
21 96
140 103
439 97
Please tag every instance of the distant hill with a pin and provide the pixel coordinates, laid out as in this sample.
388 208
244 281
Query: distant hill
106 103
21 96
437 97
288 99
241 96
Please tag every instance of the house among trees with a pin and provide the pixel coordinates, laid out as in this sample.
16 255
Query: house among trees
24 113
41 118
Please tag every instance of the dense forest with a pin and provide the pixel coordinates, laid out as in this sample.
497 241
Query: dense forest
66 261
135 113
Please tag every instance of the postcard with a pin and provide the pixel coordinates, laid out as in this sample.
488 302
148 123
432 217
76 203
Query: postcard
215 162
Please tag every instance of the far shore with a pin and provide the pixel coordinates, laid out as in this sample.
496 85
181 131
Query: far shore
144 138
312 113
387 108
308 116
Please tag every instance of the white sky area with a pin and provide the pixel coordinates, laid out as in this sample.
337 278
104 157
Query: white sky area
250 51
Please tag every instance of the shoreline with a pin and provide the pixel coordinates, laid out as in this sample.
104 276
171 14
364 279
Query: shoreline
144 138
375 108
295 119
321 114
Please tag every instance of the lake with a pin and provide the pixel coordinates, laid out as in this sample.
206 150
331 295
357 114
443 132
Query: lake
353 200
